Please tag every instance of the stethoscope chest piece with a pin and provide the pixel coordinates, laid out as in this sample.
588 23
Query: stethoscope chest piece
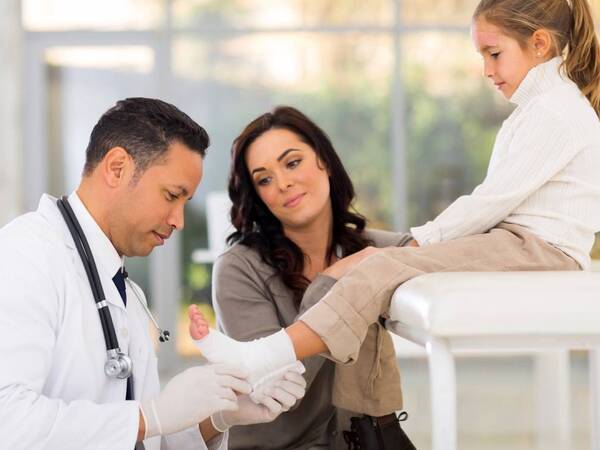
118 364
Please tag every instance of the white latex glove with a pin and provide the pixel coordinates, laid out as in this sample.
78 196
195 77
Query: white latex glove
192 396
279 396
259 386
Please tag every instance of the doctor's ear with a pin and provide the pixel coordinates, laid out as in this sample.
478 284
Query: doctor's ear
116 166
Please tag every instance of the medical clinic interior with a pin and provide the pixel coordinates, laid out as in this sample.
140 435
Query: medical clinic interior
397 85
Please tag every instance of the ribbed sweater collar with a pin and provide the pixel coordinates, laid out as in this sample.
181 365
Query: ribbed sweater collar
539 80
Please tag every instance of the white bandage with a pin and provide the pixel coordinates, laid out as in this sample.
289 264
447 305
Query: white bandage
265 359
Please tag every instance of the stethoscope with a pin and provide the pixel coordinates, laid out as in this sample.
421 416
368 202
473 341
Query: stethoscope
118 363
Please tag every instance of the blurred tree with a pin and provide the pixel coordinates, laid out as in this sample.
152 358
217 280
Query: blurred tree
450 139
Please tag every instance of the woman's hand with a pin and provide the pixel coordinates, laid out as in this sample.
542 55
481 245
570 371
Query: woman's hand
345 265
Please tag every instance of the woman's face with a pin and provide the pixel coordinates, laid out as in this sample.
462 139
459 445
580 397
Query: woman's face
290 179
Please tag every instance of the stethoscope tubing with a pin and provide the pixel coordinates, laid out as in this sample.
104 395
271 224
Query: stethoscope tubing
118 364
108 329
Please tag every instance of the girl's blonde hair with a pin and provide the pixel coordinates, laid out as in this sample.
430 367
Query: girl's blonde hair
571 26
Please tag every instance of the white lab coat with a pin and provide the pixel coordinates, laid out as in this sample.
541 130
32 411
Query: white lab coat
53 390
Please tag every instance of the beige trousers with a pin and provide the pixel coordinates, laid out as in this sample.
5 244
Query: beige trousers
349 313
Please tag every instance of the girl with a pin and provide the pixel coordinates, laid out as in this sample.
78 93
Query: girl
292 214
537 209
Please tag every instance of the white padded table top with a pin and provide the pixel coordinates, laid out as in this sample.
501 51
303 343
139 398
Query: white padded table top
499 303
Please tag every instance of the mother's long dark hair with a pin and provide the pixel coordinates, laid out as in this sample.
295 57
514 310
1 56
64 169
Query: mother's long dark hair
258 228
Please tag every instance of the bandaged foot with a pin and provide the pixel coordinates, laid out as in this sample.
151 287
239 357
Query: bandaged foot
266 359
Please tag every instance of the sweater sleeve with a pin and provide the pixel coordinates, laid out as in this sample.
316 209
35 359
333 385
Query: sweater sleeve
315 292
541 146
241 300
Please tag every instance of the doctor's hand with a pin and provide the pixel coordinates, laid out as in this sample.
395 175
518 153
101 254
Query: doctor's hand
279 397
192 396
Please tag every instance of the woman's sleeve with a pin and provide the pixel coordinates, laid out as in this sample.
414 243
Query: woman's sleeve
241 300
315 292
384 238
541 146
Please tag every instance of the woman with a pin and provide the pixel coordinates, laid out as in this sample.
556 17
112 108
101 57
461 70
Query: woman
292 214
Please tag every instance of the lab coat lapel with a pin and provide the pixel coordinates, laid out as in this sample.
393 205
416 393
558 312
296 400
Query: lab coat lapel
133 318
49 210
105 255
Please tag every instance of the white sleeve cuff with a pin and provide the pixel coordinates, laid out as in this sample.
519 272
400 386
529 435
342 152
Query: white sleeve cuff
191 439
219 442
427 234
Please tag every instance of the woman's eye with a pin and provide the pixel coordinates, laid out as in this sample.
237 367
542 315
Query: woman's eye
293 163
264 181
495 55
171 196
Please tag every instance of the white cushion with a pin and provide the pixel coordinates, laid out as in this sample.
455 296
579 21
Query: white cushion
500 303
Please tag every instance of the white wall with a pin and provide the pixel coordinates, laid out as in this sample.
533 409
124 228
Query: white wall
11 49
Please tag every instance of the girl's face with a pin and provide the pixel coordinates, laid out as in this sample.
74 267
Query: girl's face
505 63
290 179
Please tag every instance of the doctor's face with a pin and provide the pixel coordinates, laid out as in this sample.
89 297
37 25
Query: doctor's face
149 209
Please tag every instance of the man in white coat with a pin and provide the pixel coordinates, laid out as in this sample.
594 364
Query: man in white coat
143 163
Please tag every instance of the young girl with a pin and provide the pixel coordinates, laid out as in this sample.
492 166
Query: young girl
537 209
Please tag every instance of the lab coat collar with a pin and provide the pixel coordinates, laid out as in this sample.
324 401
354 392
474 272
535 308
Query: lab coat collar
106 257
105 254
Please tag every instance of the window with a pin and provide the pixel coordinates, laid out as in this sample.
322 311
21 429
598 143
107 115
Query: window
396 85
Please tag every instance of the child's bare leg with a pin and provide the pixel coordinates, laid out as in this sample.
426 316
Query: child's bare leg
305 341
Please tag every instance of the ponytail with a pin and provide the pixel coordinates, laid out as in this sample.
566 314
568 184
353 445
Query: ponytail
582 63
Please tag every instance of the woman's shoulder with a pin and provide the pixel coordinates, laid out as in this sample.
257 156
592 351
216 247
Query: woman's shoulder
238 252
383 238
241 256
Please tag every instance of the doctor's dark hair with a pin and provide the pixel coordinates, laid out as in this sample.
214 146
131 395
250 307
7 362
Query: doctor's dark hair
569 22
145 128
258 228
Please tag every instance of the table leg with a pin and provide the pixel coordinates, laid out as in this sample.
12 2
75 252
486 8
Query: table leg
442 375
594 358
552 399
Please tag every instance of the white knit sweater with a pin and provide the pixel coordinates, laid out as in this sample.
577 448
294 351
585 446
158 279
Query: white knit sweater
544 173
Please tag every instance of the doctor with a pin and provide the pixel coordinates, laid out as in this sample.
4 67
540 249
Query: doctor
143 163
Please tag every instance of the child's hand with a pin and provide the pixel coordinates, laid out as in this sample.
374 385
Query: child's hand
198 324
